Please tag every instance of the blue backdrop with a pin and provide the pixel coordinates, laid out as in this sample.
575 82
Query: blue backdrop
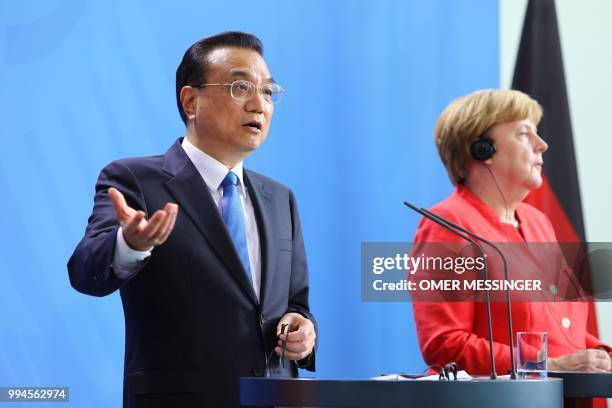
84 82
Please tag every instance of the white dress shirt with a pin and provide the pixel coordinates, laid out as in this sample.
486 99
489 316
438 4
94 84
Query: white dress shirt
127 261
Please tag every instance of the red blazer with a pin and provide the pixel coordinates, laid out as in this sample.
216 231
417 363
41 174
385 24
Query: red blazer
457 331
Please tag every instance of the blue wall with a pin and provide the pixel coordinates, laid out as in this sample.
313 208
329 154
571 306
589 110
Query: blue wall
84 82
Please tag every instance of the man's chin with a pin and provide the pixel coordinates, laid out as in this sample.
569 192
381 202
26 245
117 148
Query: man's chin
252 144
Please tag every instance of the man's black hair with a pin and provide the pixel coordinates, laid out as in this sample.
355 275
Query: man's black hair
193 67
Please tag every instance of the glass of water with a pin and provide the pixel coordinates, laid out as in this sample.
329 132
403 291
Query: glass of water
532 355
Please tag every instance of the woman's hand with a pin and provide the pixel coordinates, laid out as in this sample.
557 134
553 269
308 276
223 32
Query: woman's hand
591 360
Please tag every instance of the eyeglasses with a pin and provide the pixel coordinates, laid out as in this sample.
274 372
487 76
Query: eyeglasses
444 373
244 90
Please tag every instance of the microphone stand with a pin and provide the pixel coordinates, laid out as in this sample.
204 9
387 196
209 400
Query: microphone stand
448 227
505 263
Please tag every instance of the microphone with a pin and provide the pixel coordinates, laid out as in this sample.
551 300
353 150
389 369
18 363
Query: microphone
505 263
444 224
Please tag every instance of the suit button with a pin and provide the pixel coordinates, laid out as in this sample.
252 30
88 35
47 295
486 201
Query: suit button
262 320
258 372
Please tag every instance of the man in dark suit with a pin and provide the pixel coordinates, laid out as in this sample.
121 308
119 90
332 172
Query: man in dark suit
206 289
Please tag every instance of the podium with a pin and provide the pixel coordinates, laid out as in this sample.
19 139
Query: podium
305 392
585 384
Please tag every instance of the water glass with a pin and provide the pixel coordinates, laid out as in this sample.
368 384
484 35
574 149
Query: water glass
532 355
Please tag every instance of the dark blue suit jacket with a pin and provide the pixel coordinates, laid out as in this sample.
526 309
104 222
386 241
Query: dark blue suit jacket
193 322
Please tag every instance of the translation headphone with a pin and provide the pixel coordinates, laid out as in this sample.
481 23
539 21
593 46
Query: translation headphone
482 148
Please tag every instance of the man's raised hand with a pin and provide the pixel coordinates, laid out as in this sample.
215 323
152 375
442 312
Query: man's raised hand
140 233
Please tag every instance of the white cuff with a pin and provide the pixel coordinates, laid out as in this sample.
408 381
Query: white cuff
127 261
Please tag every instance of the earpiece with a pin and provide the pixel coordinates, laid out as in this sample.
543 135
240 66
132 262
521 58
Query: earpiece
483 148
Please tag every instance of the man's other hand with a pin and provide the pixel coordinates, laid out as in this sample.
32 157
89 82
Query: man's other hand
301 336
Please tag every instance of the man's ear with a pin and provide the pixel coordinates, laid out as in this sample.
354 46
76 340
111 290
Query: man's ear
188 101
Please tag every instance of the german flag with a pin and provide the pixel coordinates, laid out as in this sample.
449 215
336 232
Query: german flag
539 72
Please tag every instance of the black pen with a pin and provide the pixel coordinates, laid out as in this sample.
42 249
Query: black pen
282 356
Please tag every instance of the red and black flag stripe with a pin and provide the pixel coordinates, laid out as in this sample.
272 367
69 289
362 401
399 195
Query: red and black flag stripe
539 72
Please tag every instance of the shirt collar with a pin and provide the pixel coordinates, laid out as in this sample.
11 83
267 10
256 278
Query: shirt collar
212 171
480 205
484 209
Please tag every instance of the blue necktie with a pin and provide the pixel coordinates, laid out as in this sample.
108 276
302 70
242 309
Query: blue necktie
233 215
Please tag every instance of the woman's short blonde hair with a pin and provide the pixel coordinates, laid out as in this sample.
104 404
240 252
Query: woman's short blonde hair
470 117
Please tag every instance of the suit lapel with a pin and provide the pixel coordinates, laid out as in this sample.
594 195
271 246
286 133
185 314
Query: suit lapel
193 197
262 203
